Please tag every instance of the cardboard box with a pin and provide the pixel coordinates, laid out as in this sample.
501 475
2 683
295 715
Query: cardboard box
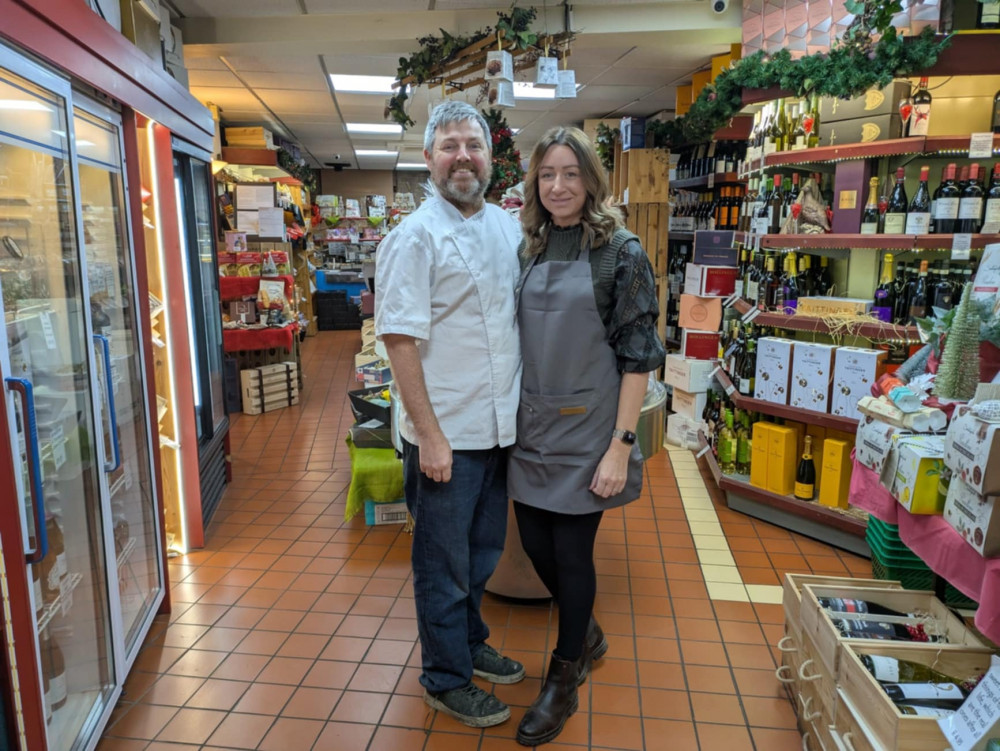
688 374
854 371
782 458
387 512
987 283
851 187
254 138
760 440
874 441
873 103
700 313
691 405
633 133
376 374
372 434
715 248
972 451
701 345
243 310
710 281
772 381
812 371
835 482
916 473
269 387
975 517
825 306
683 431
860 130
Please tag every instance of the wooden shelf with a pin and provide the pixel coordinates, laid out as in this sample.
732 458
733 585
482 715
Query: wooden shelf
808 510
971 53
886 242
707 181
783 411
249 157
689 236
798 322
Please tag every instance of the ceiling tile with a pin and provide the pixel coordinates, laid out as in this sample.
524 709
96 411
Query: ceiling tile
222 79
224 8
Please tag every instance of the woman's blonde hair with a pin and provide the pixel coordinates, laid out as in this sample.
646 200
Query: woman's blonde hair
600 220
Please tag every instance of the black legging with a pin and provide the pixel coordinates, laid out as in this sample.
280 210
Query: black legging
561 548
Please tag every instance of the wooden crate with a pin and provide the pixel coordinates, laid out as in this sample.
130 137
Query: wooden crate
269 387
888 728
791 595
817 626
850 730
642 176
648 221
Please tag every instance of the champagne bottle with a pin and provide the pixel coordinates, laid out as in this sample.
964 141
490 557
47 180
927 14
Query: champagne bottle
970 207
921 117
895 215
805 475
991 218
894 670
946 199
918 219
885 295
869 219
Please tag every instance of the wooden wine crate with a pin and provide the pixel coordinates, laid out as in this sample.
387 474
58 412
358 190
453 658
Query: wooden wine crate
269 387
817 626
889 728
648 221
642 176
791 594
851 731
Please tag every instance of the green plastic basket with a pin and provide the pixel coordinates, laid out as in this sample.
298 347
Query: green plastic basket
916 575
889 550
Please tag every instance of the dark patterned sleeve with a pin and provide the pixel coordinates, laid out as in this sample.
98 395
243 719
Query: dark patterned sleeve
633 332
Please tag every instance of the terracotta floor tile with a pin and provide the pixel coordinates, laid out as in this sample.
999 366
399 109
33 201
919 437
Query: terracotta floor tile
756 682
312 703
241 617
261 643
670 735
286 670
740 632
659 650
319 623
191 726
172 690
121 744
709 679
358 706
704 653
407 712
219 639
289 733
697 629
729 737
770 713
621 700
264 698
393 739
776 740
143 721
218 694
666 705
345 735
198 663
615 731
718 708
243 731
759 575
331 674
238 667
348 648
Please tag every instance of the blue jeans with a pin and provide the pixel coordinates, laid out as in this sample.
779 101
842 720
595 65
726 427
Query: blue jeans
461 526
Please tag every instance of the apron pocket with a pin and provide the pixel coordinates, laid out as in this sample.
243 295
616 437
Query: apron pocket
569 424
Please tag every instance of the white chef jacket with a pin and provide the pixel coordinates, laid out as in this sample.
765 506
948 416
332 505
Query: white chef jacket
449 282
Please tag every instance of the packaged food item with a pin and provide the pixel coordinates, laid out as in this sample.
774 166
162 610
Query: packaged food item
236 242
280 260
228 265
271 294
248 264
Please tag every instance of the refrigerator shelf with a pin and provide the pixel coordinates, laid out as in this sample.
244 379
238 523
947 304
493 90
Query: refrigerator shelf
63 600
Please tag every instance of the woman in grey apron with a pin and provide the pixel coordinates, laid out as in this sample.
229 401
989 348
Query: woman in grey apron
587 317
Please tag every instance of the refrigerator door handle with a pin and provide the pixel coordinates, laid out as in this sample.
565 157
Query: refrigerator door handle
24 388
112 415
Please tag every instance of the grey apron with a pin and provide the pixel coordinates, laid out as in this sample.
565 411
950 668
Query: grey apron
569 394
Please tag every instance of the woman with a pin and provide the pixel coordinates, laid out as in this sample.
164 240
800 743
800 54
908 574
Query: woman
587 315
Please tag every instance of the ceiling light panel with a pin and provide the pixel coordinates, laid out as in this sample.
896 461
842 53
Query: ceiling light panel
384 129
381 85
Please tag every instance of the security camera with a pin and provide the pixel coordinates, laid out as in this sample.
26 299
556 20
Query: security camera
720 6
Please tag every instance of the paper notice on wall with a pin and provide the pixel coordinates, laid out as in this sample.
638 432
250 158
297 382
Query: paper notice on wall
246 221
271 223
250 197
978 719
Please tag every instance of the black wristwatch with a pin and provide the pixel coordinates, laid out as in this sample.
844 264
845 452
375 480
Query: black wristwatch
625 436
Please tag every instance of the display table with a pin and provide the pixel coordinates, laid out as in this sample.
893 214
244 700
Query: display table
236 340
939 545
238 287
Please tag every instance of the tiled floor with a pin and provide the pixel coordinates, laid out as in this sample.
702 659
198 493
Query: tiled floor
294 630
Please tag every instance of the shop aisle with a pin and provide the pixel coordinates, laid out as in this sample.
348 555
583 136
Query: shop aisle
293 630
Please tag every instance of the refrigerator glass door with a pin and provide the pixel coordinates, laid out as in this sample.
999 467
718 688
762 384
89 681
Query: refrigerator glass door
115 322
47 345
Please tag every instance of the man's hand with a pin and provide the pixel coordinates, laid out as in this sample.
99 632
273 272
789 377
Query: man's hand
435 457
612 472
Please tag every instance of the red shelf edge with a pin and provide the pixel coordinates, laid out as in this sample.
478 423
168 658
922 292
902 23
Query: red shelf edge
878 242
729 178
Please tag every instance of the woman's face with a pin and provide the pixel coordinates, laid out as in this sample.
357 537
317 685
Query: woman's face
560 186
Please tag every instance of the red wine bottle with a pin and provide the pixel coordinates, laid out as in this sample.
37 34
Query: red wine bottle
946 199
895 214
918 219
970 207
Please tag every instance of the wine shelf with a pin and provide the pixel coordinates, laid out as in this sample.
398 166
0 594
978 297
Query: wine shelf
64 599
846 424
689 236
798 322
810 511
880 242
707 181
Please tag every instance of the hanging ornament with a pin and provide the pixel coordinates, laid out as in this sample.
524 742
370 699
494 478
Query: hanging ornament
566 88
499 63
546 71
501 94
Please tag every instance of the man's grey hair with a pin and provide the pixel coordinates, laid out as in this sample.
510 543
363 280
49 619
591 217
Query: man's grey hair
454 111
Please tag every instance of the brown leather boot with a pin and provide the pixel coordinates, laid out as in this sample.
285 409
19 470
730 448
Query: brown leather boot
555 704
594 648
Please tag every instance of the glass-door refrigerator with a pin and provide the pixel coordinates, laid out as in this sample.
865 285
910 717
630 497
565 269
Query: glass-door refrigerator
74 409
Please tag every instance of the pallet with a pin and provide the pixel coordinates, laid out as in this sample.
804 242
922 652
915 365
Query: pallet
269 387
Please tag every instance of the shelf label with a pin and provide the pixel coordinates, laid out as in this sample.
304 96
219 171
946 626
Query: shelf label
711 181
981 146
731 300
704 450
750 315
961 244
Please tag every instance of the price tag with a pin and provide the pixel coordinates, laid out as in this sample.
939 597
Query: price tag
730 389
991 228
711 181
47 332
981 146
961 244
731 300
703 451
750 315
978 718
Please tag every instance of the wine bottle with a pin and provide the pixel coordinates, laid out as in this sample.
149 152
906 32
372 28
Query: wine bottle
791 285
885 295
988 16
941 293
811 121
727 446
743 437
775 135
874 629
970 207
943 695
919 711
805 475
918 219
921 117
894 670
747 370
991 218
777 202
918 299
895 215
995 119
869 219
946 199
824 279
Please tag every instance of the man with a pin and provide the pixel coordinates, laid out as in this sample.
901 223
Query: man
445 312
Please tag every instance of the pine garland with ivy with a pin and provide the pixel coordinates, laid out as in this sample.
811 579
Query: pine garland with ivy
870 53
958 375
605 142
507 170
304 174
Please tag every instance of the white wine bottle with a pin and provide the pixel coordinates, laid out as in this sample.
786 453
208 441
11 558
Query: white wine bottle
918 711
893 670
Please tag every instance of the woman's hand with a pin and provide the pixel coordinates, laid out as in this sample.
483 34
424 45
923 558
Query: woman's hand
612 472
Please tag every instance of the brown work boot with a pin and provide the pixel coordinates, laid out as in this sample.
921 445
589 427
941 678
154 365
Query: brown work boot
555 704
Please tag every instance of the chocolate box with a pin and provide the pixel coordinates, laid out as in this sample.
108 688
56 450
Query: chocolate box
974 516
774 367
972 451
860 130
873 103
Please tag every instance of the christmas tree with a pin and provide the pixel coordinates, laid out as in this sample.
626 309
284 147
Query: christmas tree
507 170
959 372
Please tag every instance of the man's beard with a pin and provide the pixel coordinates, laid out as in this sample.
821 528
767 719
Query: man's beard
469 195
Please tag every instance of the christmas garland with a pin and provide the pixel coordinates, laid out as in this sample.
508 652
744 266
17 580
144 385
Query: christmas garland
302 173
507 170
605 142
854 65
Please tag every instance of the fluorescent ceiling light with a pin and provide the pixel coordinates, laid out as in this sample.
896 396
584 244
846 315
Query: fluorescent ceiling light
526 90
24 105
412 165
362 84
515 131
375 128
375 152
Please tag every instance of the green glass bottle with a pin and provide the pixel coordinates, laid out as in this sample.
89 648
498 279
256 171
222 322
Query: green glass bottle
728 445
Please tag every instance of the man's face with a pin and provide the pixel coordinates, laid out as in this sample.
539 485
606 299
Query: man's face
460 162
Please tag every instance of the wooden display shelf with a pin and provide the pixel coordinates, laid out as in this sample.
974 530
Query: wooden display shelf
798 322
249 157
808 511
689 236
708 181
748 403
886 242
